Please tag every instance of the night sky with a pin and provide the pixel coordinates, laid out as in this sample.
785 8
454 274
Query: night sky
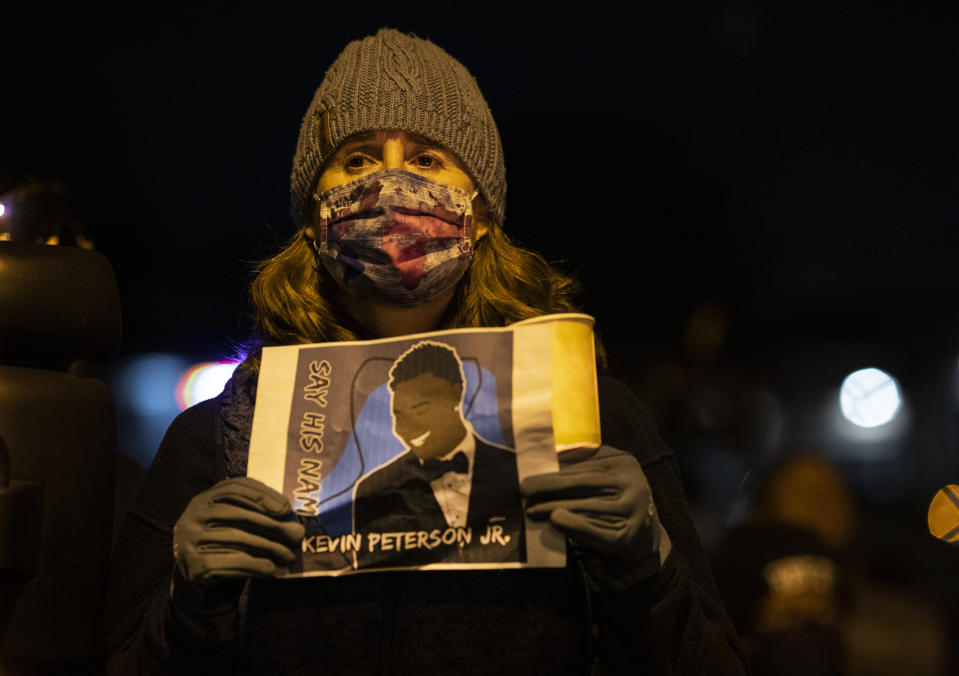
797 168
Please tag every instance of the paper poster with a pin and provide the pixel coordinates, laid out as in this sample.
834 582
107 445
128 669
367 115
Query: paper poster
407 452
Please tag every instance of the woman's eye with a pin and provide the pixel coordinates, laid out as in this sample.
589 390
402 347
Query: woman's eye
355 162
425 161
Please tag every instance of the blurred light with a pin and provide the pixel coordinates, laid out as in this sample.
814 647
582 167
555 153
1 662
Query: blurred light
202 381
944 514
869 398
147 389
147 383
3 209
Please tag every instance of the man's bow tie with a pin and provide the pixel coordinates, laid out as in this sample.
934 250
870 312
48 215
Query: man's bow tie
434 468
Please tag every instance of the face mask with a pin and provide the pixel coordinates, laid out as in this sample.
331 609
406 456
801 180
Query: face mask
395 237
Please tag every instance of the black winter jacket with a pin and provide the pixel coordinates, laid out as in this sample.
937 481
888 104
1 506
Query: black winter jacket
530 621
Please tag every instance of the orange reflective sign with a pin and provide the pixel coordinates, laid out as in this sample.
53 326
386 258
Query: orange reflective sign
944 514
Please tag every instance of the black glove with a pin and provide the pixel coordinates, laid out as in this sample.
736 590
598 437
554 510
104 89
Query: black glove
238 529
604 505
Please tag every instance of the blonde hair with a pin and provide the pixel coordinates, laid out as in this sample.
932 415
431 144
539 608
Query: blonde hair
293 299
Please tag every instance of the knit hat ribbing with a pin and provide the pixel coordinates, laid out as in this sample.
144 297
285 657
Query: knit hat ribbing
392 80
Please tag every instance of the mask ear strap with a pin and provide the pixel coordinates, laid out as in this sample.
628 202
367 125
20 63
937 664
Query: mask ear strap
316 252
472 228
319 232
469 201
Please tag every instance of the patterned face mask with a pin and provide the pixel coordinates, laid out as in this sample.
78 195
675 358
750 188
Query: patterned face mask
395 237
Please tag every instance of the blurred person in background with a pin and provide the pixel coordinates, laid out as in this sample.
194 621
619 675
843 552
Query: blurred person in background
799 594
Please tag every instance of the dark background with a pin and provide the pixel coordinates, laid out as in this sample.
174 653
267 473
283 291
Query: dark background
757 199
795 165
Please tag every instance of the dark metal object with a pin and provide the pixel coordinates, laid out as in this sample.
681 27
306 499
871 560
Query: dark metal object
59 307
57 304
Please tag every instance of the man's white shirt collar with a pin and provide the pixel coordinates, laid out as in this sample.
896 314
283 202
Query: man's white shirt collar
452 490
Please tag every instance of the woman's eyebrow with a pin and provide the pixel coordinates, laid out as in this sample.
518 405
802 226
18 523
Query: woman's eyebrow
366 136
358 139
419 139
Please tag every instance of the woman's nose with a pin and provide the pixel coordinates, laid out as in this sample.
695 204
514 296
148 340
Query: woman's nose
393 154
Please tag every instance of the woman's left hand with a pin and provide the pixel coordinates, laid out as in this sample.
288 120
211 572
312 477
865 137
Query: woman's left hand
604 504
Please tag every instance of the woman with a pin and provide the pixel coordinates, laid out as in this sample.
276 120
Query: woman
399 127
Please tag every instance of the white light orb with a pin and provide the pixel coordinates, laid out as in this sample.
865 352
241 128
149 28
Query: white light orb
3 209
869 397
202 381
211 380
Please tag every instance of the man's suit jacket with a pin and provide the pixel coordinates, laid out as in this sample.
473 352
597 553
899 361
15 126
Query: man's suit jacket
395 498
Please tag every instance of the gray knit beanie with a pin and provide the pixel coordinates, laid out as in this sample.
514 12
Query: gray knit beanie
392 80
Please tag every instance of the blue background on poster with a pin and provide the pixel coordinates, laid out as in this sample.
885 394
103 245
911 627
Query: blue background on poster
374 444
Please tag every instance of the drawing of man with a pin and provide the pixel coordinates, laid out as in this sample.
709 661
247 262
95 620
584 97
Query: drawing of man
450 480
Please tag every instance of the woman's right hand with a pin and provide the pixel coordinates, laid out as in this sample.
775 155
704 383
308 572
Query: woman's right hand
239 528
